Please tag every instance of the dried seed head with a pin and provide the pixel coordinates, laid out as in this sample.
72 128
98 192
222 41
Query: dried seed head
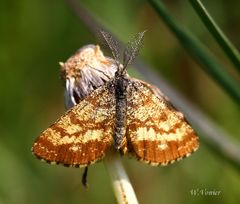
86 70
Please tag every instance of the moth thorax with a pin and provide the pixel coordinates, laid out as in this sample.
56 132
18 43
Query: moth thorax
120 87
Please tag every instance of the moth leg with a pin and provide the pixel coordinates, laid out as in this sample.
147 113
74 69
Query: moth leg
84 177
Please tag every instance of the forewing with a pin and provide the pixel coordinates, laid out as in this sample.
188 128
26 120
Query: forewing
156 132
83 134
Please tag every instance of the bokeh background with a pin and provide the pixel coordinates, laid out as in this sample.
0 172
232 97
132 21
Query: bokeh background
36 35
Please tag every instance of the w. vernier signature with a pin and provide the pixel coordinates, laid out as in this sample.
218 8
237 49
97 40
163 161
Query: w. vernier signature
205 192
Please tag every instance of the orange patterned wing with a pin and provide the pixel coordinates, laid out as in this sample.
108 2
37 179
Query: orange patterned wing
81 136
156 133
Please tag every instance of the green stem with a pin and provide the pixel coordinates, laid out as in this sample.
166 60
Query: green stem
199 52
217 33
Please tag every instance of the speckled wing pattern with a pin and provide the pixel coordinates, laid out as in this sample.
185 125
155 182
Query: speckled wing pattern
156 133
83 134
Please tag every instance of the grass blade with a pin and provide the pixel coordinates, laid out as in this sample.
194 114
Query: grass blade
217 33
200 53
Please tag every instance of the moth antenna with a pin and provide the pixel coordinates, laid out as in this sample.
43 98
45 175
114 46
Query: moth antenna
132 49
113 45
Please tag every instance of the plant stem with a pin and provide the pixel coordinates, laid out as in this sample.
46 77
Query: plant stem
122 187
200 53
217 33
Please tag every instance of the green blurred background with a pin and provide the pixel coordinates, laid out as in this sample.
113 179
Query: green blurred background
36 35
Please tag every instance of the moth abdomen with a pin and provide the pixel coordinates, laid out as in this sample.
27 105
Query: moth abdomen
121 110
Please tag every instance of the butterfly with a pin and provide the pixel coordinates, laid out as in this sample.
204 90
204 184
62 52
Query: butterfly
123 113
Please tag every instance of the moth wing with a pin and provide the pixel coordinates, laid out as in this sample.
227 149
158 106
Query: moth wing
83 134
156 133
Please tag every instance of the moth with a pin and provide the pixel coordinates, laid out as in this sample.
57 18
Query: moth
125 113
